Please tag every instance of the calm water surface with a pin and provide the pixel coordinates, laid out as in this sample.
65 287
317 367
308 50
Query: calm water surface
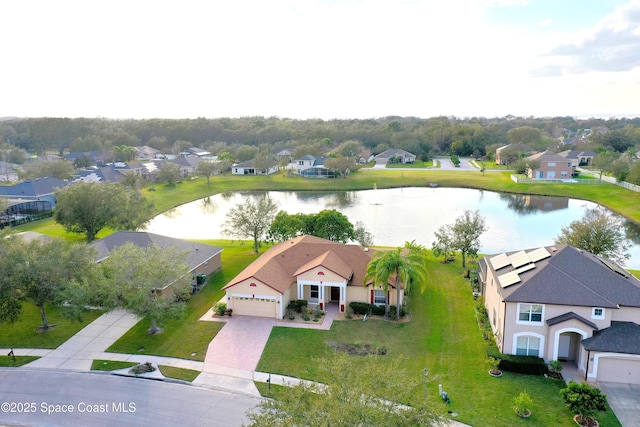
402 214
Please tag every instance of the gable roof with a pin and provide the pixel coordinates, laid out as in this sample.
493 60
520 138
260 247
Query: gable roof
576 154
620 337
197 253
571 315
279 265
33 187
393 152
103 174
547 156
569 276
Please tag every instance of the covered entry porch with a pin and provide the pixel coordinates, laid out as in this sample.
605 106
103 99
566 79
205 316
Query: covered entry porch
321 294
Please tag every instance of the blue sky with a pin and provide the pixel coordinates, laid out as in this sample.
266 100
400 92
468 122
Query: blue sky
320 58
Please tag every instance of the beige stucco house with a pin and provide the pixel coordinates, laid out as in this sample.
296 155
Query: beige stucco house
563 303
310 268
552 166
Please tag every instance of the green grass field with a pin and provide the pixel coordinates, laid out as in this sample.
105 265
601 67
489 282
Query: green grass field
8 362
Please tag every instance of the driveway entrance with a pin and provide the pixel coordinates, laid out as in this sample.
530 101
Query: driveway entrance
624 399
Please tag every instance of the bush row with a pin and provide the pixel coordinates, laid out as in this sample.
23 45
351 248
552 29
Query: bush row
530 365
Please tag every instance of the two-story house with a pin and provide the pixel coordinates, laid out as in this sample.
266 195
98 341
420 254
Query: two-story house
563 303
552 166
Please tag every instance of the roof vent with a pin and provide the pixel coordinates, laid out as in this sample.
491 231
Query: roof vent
366 249
553 249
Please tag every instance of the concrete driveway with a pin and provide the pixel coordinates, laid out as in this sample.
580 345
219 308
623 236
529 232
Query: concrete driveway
624 399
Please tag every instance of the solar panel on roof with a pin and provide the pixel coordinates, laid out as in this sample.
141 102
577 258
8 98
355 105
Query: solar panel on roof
526 267
508 279
518 259
539 254
499 261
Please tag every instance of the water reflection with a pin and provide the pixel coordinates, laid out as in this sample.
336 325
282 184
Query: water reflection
395 216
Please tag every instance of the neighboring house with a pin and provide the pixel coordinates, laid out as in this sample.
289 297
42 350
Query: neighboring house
307 267
514 150
318 170
36 194
552 166
147 153
200 258
395 155
248 168
285 154
187 165
196 151
578 158
103 174
96 158
305 162
563 303
9 172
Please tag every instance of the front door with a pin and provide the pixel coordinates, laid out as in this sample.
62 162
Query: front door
335 293
564 346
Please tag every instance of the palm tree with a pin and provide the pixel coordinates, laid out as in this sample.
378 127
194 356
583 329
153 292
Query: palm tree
406 267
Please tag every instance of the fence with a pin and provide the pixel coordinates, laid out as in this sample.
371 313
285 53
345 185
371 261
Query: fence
521 179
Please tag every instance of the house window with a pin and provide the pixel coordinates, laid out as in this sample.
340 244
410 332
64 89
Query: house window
301 162
494 317
530 313
597 313
551 164
379 297
528 346
314 292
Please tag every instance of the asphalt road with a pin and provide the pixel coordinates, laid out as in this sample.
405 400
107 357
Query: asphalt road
30 397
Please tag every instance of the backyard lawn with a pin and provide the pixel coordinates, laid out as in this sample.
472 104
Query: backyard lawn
442 336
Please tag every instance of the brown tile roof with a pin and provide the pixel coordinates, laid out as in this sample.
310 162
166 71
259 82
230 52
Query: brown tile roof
279 265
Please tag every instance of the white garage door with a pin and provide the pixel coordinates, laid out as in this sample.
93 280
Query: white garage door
619 370
262 307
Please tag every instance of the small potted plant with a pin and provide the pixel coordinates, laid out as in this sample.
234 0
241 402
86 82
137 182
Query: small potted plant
555 367
494 363
522 404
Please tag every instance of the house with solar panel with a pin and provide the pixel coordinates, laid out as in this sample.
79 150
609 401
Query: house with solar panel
563 303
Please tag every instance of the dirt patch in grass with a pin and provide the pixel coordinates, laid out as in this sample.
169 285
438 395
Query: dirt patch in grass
358 349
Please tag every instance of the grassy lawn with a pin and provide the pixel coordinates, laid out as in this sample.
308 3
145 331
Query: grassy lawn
110 365
8 362
179 373
416 165
23 333
443 336
189 338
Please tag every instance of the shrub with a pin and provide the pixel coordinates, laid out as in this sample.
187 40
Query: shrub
360 307
530 365
583 400
301 304
555 366
305 316
349 313
220 308
522 403
393 309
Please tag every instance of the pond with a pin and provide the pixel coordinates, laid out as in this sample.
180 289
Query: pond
395 216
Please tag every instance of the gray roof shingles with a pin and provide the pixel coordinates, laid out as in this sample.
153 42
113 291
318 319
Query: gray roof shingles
33 187
568 316
572 277
620 337
197 253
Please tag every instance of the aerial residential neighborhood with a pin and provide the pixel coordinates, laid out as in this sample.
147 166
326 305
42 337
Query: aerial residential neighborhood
330 213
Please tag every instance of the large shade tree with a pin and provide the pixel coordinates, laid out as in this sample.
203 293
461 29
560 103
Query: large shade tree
251 219
599 233
351 396
328 224
89 207
132 278
463 235
403 267
41 273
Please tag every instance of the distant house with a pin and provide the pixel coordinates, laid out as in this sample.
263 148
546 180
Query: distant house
248 168
103 174
8 172
552 166
196 151
187 164
563 303
310 166
307 267
395 155
200 258
36 194
509 152
94 158
578 157
147 153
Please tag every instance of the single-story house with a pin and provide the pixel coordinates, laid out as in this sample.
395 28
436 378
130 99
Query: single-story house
563 303
103 174
395 155
306 267
200 258
147 153
95 158
578 157
248 168
33 190
552 166
197 151
187 164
